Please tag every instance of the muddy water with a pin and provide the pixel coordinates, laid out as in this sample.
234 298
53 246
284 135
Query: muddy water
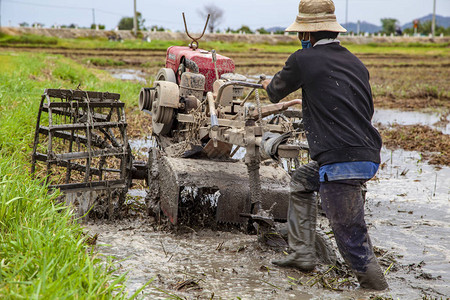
407 211
391 116
128 74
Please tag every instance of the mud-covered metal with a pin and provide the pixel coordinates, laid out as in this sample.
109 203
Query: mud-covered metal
229 182
196 136
81 147
192 84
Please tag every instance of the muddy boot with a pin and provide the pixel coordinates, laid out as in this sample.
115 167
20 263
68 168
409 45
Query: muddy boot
301 219
301 232
372 278
296 260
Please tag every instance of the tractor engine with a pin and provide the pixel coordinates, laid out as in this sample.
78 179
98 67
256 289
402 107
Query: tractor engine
181 59
182 86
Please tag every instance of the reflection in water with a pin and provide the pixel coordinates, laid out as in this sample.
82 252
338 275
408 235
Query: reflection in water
391 116
128 74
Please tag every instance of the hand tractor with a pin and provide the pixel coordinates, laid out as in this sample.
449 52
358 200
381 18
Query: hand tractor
200 121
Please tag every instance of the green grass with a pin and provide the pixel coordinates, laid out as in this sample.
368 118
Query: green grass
42 250
27 39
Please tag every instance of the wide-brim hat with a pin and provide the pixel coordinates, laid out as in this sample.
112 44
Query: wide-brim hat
316 15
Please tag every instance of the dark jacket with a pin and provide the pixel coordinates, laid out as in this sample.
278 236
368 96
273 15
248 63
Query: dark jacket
337 103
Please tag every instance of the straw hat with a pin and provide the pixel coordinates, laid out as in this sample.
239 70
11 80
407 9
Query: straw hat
316 15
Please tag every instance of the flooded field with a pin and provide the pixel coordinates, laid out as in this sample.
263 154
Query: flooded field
408 215
407 209
408 203
394 116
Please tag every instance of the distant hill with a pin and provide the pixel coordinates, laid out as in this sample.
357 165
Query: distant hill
440 21
275 29
363 27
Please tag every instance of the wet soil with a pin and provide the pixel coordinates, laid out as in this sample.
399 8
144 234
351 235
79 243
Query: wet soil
408 216
407 204
407 212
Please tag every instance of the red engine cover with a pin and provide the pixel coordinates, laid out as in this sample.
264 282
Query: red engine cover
204 61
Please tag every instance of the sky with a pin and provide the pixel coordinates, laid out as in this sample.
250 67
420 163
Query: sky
167 13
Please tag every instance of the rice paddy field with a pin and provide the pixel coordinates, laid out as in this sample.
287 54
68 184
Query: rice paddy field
45 253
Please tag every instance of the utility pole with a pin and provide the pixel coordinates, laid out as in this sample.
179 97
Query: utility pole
433 22
93 17
135 19
346 13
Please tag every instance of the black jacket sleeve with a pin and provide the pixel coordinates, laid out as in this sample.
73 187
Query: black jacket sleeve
286 81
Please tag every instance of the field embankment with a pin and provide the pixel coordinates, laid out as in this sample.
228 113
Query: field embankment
72 33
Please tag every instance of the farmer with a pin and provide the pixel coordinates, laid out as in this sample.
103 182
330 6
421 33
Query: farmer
344 146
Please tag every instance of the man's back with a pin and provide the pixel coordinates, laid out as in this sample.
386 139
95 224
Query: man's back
337 103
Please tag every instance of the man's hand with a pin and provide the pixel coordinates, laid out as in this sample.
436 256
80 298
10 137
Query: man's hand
265 83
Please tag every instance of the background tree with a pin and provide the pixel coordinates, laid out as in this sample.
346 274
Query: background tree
262 30
126 23
389 25
245 29
157 28
216 15
425 29
100 26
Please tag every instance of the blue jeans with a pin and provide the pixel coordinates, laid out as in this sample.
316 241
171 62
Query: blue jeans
343 204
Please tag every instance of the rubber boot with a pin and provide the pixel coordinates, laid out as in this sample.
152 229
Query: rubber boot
302 214
372 278
324 249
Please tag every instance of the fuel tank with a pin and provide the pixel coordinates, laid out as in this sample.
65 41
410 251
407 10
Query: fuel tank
203 59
